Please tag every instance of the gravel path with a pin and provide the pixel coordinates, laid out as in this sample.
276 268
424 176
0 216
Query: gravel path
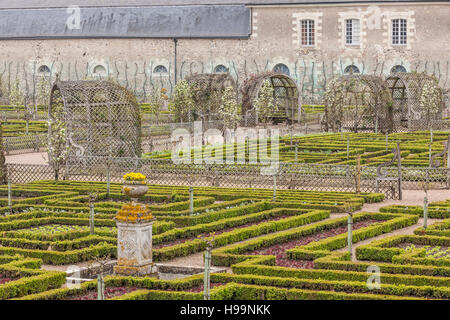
28 158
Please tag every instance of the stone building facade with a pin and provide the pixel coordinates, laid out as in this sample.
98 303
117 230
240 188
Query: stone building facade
311 41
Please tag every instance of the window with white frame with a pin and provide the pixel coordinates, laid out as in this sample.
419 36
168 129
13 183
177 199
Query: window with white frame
307 30
352 32
399 31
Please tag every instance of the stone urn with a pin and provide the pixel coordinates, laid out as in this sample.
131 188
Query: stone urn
134 230
134 189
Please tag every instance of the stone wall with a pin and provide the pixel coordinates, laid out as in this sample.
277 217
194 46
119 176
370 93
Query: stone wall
274 40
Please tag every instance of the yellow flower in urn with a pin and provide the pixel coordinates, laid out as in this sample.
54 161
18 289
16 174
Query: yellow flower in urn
134 185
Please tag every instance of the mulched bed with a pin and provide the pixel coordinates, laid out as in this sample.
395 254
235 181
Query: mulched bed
110 292
4 279
178 241
279 250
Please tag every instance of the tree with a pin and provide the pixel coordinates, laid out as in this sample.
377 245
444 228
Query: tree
229 109
182 102
58 146
156 103
16 97
430 101
265 104
42 92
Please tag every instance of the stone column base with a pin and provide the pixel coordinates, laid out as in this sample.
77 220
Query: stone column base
145 270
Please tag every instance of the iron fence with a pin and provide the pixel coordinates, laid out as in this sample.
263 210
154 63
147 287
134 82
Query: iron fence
318 177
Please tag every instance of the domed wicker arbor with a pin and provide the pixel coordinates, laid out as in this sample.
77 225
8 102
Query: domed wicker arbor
101 118
358 103
285 93
418 100
208 89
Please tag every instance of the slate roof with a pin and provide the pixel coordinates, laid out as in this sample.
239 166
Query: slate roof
9 4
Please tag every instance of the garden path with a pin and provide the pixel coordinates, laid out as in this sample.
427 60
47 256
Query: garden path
28 158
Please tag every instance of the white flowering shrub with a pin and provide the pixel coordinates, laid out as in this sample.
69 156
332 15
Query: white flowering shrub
16 96
265 104
430 101
43 91
57 147
229 109
182 103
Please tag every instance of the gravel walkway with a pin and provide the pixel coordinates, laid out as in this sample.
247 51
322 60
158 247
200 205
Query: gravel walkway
28 158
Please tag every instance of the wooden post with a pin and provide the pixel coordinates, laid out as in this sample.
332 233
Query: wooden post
358 173
348 147
108 180
91 218
376 124
206 278
431 135
448 167
191 200
350 234
291 134
399 168
9 195
425 210
429 156
100 288
387 142
247 148
274 198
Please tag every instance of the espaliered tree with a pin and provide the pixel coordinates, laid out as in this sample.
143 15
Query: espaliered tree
265 104
229 109
58 146
182 101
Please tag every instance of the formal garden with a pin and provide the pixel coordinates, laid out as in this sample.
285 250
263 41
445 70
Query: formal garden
292 245
357 207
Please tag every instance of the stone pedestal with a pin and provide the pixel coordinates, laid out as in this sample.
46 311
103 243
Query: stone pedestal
134 248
